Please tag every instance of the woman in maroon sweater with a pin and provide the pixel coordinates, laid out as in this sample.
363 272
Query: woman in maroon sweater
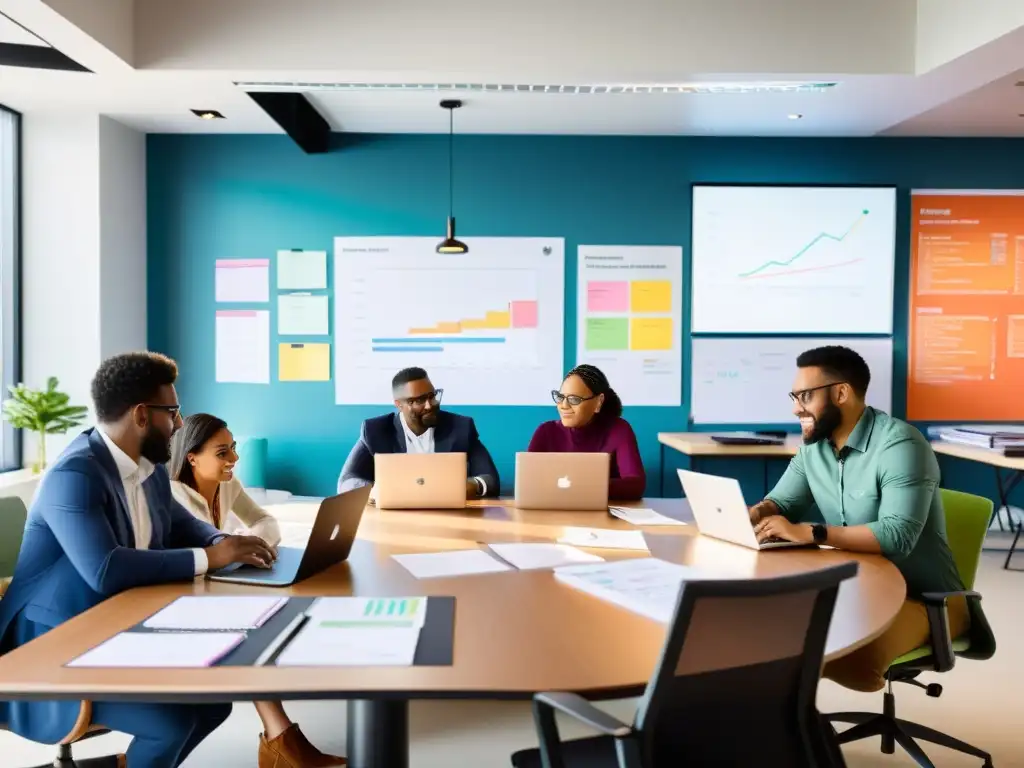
590 421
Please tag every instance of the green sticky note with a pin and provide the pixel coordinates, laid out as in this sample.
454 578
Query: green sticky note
607 333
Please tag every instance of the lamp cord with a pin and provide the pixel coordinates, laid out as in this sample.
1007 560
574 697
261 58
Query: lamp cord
451 162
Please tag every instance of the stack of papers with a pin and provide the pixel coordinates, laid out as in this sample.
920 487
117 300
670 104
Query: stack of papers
161 649
530 556
604 539
462 562
647 586
992 436
358 631
209 612
643 516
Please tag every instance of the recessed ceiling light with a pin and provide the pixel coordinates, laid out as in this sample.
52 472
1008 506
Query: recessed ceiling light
758 86
794 116
208 114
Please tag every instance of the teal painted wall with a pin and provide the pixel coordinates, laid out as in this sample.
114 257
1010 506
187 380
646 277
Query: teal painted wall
216 197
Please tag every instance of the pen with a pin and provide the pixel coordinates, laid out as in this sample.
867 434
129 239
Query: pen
282 639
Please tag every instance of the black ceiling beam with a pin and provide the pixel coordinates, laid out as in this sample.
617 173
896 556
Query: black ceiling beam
37 57
298 117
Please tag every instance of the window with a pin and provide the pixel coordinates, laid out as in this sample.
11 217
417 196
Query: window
10 262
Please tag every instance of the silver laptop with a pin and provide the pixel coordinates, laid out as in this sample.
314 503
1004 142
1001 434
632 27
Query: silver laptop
562 481
330 543
720 512
420 480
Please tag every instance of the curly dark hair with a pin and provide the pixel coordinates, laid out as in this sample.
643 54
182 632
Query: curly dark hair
598 384
124 381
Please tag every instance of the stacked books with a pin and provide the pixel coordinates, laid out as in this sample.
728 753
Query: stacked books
1006 438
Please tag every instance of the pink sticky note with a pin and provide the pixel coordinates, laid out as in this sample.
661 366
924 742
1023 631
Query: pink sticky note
524 314
607 296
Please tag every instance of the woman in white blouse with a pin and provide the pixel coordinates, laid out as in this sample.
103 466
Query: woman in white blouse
202 467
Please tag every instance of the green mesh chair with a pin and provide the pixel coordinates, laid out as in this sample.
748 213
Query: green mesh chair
967 521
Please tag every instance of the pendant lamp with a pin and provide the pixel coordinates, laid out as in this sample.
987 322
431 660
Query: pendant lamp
450 244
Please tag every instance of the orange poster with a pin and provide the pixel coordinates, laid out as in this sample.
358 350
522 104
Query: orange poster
966 346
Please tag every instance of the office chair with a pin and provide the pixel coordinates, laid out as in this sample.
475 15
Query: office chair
967 521
12 529
735 685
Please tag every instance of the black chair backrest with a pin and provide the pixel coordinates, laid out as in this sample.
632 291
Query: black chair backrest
738 674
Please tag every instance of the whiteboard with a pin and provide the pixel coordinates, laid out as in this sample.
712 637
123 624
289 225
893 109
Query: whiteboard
747 381
487 325
771 260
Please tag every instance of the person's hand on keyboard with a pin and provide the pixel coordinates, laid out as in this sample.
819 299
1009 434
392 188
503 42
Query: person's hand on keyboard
778 528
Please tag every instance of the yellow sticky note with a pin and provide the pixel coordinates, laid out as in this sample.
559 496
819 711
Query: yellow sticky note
650 296
304 362
650 333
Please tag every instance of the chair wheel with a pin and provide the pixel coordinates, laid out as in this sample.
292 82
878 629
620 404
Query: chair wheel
934 690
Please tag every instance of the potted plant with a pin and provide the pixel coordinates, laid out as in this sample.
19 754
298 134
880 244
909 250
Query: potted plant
45 412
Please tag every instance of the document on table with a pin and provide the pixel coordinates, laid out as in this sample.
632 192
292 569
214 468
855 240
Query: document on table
320 644
529 556
216 612
301 314
604 539
647 586
186 650
298 269
243 346
463 562
643 516
342 612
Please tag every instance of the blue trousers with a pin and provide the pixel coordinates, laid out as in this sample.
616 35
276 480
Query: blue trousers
163 734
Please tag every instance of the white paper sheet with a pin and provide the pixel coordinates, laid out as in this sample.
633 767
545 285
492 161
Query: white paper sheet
298 270
301 314
242 280
243 346
369 611
647 586
216 612
463 562
161 649
320 646
643 516
529 556
601 538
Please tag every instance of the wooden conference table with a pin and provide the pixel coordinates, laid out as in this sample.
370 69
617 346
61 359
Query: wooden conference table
516 633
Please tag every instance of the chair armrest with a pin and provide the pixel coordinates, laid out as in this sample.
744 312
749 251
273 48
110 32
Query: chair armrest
579 708
545 705
938 622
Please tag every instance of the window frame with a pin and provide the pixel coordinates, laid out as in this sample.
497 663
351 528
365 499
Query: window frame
10 277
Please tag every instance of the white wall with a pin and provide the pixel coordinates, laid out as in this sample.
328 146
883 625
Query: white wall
122 176
948 29
83 252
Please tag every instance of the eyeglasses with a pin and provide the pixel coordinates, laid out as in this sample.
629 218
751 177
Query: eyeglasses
804 396
429 397
173 410
573 400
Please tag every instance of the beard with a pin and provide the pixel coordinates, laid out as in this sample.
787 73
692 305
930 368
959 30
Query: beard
156 446
824 424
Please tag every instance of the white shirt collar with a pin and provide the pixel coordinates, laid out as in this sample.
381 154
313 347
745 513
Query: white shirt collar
427 438
127 468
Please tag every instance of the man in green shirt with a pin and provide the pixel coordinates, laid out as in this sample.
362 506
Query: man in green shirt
875 481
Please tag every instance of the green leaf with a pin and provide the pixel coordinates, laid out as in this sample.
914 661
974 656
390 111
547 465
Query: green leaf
44 411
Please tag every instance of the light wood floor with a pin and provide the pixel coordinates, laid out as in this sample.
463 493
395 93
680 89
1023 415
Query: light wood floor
981 705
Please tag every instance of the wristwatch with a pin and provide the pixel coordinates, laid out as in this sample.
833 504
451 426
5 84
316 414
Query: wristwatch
819 532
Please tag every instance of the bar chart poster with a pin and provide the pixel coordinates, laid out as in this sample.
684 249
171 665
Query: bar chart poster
629 313
966 346
487 325
793 259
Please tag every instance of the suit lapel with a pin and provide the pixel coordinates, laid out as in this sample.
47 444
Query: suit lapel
122 520
399 430
444 435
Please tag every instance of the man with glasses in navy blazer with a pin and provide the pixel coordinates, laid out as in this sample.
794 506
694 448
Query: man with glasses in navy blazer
104 521
420 426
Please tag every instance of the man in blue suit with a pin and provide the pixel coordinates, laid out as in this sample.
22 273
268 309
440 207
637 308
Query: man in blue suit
104 521
420 426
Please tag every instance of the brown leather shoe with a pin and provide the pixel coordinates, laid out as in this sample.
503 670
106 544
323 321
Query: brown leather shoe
292 750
